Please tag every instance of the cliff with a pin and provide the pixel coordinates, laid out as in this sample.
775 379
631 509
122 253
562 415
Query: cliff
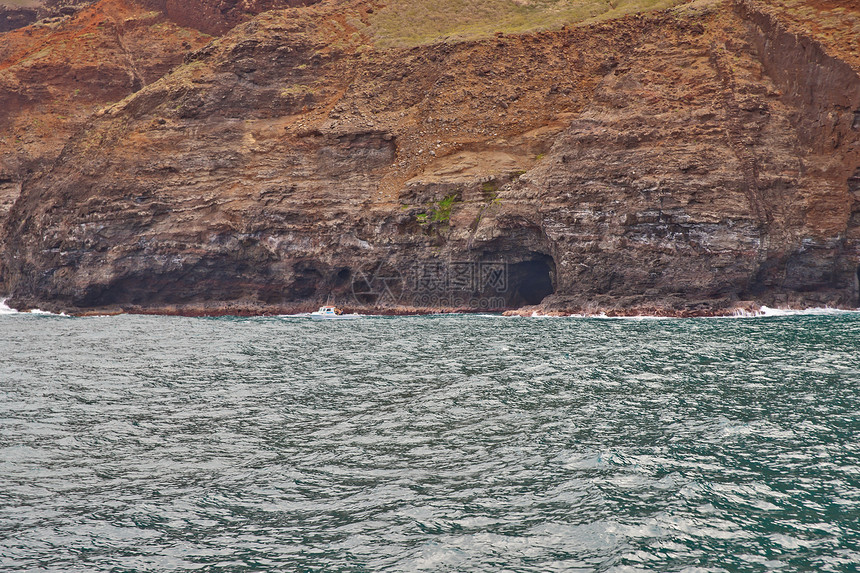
683 161
21 13
217 17
204 15
55 74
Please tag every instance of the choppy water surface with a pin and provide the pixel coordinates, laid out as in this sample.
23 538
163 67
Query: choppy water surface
448 443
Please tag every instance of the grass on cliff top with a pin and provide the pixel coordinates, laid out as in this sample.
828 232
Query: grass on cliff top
20 3
404 23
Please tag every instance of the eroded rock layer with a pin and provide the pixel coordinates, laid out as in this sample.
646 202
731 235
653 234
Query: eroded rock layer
217 16
679 162
55 74
20 14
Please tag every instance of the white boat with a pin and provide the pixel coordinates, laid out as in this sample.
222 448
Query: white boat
331 313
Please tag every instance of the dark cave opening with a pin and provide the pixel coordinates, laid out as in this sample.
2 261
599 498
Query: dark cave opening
531 281
306 279
342 276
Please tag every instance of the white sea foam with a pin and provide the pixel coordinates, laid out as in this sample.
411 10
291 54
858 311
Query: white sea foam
486 315
766 311
46 313
4 309
536 314
761 312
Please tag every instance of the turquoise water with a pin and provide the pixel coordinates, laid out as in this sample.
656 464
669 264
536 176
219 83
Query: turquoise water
446 443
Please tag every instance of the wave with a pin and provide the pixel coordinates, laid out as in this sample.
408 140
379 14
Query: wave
46 313
766 311
4 309
761 312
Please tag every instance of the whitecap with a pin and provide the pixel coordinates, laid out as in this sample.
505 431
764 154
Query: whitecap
767 312
46 313
4 309
536 314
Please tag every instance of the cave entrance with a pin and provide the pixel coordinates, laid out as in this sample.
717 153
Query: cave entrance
531 281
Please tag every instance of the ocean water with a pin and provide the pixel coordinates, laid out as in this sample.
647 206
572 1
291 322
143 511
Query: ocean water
435 443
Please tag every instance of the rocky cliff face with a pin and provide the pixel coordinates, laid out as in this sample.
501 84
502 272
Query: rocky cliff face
819 251
54 75
680 162
217 16
19 15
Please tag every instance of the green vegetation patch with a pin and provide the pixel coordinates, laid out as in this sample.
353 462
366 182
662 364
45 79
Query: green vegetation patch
440 213
297 90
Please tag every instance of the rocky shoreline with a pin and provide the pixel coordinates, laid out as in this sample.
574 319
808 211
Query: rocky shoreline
740 308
